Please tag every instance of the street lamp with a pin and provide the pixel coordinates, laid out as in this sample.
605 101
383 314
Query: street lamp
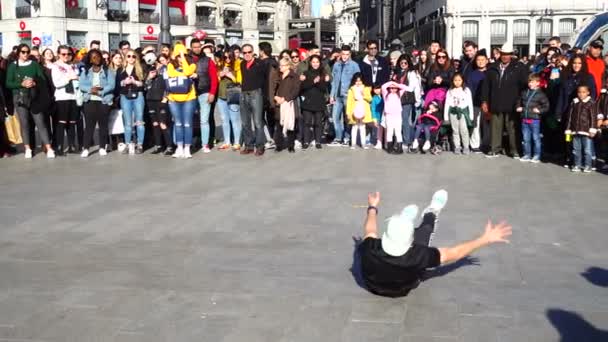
165 23
379 6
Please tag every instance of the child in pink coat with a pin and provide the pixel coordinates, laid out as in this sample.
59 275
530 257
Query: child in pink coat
391 93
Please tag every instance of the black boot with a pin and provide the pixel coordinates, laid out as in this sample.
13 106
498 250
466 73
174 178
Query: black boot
398 148
389 147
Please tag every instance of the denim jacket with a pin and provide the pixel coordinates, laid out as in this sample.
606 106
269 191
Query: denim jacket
342 74
108 82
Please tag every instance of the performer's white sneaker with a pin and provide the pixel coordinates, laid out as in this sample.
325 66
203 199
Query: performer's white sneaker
409 213
438 202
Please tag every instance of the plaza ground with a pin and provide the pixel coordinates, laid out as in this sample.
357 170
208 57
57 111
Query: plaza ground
226 248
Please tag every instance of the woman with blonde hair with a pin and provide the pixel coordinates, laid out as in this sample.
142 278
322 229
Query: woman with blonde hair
229 74
130 80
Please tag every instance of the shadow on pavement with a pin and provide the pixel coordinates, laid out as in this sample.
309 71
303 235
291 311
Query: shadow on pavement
449 268
596 276
574 328
355 269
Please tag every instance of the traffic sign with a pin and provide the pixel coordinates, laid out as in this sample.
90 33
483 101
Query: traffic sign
22 25
36 41
150 29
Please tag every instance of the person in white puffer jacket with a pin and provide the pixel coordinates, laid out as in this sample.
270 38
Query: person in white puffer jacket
65 80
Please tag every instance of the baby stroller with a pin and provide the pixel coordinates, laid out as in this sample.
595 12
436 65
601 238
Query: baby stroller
439 137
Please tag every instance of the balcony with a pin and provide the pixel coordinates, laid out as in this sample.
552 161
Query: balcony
178 19
149 17
205 21
118 15
233 20
76 12
23 12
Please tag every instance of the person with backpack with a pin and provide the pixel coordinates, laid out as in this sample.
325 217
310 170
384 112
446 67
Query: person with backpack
206 82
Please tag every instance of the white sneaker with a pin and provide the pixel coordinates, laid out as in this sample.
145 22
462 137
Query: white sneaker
28 154
366 147
206 149
438 202
50 154
85 153
353 148
378 146
131 148
270 145
179 152
103 152
415 144
426 146
297 145
187 154
122 147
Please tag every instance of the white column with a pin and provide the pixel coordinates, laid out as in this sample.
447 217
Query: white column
555 26
484 34
532 37
510 31
191 12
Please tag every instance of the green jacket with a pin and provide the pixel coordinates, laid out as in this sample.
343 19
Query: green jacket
15 74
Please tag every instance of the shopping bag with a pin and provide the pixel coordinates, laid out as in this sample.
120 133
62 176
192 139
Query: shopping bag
13 129
116 125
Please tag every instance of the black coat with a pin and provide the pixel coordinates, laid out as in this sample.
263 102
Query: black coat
501 93
383 74
446 78
313 94
567 91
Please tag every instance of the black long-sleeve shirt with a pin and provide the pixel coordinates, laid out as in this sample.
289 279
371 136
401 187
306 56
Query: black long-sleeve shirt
253 76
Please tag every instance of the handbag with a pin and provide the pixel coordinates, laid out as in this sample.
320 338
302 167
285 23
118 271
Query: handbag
24 97
13 129
233 94
408 97
132 94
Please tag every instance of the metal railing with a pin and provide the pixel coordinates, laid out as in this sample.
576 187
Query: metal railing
76 12
149 17
178 20
205 21
23 12
118 15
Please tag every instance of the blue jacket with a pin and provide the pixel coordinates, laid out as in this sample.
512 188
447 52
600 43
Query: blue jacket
342 74
377 108
108 82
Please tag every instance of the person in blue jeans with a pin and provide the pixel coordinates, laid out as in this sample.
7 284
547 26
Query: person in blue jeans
342 74
581 126
131 80
206 82
181 95
532 104
228 99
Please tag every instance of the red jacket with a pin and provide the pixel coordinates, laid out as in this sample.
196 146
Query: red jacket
596 69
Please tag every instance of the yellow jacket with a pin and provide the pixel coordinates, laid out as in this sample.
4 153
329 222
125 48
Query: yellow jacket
188 70
237 70
350 105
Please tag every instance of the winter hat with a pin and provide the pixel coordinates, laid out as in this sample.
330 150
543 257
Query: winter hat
179 48
399 234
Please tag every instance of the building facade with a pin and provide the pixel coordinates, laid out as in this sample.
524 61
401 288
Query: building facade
346 14
527 24
77 22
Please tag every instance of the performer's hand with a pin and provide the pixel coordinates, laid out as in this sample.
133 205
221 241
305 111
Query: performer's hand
497 233
373 199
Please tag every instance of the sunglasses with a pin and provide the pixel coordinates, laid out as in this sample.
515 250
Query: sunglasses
247 52
404 62
25 51
131 56
442 57
65 54
295 56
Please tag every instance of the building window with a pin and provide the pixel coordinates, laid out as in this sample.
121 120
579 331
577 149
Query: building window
470 30
521 31
114 40
566 29
177 12
148 13
23 9
544 28
205 17
118 10
265 21
76 9
498 32
77 39
233 19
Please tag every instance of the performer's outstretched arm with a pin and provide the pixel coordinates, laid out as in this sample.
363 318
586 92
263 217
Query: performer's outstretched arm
371 224
492 234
